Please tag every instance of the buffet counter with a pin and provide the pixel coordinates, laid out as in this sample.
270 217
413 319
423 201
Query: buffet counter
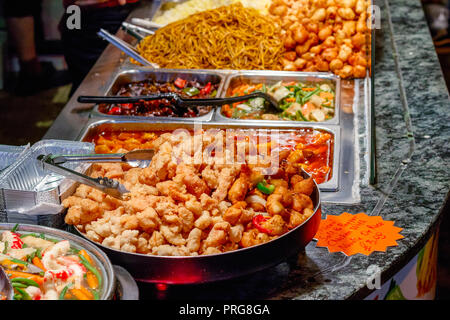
411 101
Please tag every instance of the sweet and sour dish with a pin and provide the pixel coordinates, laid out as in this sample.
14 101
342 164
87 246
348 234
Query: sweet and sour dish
200 198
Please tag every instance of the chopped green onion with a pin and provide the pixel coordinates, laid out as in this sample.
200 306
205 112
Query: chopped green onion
95 294
91 268
5 250
64 291
18 261
25 281
300 114
15 228
25 295
39 253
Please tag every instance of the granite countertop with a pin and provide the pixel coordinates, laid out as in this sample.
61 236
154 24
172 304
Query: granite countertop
412 150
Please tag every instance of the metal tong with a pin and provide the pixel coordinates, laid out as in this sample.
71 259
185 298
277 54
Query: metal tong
179 101
136 31
126 48
137 158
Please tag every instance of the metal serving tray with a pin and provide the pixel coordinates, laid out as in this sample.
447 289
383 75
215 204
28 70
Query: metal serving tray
272 77
9 154
96 127
161 75
26 184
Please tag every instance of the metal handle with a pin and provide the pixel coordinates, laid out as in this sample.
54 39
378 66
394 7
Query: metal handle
110 157
123 99
125 47
108 186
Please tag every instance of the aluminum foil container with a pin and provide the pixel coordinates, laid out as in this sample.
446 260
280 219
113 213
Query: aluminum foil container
25 184
9 154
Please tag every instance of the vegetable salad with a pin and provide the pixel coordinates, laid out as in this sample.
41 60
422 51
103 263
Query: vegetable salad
42 268
297 101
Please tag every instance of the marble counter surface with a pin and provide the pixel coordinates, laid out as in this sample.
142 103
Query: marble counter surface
412 151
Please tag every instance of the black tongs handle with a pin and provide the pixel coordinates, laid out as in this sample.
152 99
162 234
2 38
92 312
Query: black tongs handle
180 101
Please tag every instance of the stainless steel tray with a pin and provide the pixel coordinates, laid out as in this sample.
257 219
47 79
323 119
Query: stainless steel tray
161 75
96 127
271 77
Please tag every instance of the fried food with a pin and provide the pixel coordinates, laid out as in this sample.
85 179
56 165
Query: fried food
179 207
325 35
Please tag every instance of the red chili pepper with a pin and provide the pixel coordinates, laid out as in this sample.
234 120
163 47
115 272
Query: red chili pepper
17 243
63 275
206 89
115 110
180 83
257 220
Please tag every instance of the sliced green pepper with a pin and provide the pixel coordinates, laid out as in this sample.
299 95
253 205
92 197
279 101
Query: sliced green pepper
64 291
15 228
300 114
19 285
265 188
193 91
26 281
25 295
18 261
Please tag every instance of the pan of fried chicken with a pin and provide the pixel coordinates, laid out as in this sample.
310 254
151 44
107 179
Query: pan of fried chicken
199 212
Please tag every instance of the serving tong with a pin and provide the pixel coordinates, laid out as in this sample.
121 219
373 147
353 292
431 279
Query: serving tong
136 158
126 48
5 285
179 101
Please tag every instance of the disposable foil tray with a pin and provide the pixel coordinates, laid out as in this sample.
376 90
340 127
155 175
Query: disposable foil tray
9 154
25 184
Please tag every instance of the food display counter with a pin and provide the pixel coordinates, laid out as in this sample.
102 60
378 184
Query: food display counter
382 153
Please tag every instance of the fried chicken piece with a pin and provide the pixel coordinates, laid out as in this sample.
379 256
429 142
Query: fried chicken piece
239 189
187 219
253 237
218 235
156 240
148 220
233 213
87 211
301 201
203 221
172 237
236 233
211 250
305 186
194 240
276 225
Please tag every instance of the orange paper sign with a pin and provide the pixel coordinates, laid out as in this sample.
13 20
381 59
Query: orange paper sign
358 233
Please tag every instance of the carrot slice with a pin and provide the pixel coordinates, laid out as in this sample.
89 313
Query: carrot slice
38 263
80 294
20 274
86 256
91 280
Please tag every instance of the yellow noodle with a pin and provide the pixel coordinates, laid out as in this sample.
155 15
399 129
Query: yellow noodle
229 37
